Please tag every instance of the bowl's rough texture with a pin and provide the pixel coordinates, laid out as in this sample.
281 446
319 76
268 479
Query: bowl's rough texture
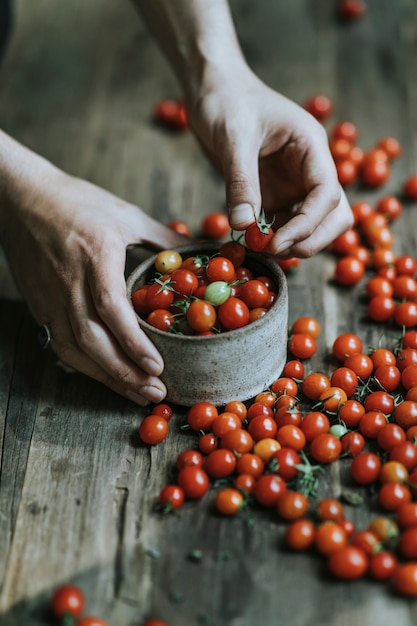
234 365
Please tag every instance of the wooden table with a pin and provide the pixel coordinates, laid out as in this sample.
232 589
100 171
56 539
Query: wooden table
77 489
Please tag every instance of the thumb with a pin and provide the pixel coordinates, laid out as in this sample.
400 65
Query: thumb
243 194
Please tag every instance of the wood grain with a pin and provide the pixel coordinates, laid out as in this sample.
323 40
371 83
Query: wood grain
77 490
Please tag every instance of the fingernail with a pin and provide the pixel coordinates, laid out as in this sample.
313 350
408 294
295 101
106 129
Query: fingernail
150 366
282 247
153 394
241 215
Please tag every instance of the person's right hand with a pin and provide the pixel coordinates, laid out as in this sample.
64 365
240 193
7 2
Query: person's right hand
66 244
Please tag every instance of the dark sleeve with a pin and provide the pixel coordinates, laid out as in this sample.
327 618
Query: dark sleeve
5 23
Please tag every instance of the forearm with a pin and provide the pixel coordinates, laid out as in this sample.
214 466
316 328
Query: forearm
197 36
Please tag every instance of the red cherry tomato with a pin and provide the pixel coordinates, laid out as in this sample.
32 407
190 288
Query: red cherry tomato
319 106
215 226
68 599
258 235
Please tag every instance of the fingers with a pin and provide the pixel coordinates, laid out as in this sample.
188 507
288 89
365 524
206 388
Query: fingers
83 343
241 174
314 226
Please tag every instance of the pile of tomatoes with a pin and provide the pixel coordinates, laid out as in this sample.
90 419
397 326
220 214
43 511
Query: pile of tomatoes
271 451
202 295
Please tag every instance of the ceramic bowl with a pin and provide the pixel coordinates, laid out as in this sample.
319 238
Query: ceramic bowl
233 365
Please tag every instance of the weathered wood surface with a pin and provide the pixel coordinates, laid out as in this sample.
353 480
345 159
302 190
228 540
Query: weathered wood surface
76 488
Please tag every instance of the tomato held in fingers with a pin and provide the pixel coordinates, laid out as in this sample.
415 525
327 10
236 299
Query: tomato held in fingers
258 235
68 599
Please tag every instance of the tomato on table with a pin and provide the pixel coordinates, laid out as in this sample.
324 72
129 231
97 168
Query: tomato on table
68 600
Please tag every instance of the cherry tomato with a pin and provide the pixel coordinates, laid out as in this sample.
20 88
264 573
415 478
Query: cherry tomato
220 463
405 413
161 319
307 325
194 481
250 463
365 468
302 345
287 460
159 296
262 426
351 413
409 377
225 422
382 565
351 9
184 281
220 268
153 429
353 443
234 251
217 292
313 424
258 235
238 440
379 401
406 453
410 188
345 130
254 293
405 314
68 599
347 171
300 534
266 448
348 563
171 497
189 457
325 448
345 345
294 369
162 409
154 622
245 483
201 416
405 579
390 436
215 226
229 501
346 379
329 538
201 315
233 314
319 106
330 509
269 488
180 227
237 407
292 505
314 385
333 399
291 436
375 172
390 206
207 443
167 261
392 495
381 308
407 514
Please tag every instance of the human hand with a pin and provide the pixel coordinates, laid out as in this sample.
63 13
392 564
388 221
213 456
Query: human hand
66 244
273 155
